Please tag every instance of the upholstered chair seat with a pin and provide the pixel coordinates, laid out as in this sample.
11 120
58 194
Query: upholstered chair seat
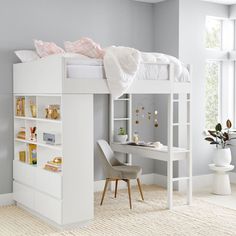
115 170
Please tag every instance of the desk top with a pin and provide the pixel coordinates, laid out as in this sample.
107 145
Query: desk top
151 152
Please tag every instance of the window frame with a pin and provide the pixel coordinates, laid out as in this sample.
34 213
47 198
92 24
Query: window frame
223 55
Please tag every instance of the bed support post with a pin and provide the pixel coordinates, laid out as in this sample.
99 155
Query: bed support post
170 141
111 114
189 194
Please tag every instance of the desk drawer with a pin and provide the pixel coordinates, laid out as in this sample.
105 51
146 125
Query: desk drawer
49 182
24 173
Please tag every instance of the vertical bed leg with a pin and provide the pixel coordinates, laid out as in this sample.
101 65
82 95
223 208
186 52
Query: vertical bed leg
189 188
170 184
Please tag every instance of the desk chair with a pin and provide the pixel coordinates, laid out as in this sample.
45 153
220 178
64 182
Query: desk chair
115 170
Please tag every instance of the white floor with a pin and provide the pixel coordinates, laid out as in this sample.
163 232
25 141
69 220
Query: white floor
225 201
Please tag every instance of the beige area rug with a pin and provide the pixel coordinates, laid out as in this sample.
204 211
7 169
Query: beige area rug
147 218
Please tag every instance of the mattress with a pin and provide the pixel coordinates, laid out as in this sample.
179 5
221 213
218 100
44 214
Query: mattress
94 69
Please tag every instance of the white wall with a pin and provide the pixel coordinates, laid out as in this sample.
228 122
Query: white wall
166 27
166 31
192 50
188 45
109 22
232 11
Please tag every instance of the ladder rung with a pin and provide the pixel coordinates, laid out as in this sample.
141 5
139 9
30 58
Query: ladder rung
122 99
116 119
175 124
180 178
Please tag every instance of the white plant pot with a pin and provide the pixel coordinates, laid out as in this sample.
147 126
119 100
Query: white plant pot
222 157
121 138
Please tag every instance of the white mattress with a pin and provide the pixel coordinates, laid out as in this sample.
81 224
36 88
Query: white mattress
93 69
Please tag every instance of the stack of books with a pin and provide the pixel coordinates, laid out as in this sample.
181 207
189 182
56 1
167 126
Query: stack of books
52 166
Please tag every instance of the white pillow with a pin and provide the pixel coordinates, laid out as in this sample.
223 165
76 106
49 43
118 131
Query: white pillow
27 55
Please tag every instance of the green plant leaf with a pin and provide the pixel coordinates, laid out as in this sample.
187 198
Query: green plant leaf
214 142
228 124
218 127
226 136
212 133
209 139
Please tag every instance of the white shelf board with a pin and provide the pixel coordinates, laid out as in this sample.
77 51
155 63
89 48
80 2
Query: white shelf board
37 119
56 147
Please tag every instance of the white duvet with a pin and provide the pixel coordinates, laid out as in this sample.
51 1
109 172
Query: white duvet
122 64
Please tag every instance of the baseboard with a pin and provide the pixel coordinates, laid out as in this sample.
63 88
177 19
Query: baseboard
200 182
160 180
232 176
147 179
6 199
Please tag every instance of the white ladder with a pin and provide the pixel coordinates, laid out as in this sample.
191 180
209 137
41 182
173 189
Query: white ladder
184 123
127 99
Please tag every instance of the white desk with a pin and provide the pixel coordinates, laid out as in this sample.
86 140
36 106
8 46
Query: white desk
163 154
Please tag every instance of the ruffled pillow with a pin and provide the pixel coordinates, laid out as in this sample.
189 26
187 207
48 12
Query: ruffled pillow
47 48
27 55
85 46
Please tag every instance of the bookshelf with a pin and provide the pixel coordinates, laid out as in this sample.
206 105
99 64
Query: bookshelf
54 195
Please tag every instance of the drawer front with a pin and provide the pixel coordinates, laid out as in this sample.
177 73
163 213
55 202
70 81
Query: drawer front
49 207
24 173
23 195
48 182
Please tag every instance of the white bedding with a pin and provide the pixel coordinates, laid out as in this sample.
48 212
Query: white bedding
93 69
122 65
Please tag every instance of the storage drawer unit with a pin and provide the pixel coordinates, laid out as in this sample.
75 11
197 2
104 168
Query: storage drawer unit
23 195
48 182
24 173
48 207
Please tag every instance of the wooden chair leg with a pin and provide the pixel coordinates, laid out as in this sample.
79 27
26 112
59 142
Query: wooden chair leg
104 191
116 187
140 188
129 192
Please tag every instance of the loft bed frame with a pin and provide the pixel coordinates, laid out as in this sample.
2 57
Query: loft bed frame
48 77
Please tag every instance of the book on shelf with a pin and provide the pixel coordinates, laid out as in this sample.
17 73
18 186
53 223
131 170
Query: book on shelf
55 167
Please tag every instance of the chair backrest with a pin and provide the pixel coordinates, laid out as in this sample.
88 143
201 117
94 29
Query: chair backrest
107 156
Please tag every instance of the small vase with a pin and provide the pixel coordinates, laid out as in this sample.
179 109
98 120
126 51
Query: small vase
121 138
222 157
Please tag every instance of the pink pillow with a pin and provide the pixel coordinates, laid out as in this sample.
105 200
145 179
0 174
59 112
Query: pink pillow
47 48
85 46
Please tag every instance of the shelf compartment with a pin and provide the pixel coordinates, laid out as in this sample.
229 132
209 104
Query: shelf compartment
44 102
45 155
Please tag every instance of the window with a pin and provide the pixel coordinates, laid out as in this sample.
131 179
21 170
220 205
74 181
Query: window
212 93
213 33
219 71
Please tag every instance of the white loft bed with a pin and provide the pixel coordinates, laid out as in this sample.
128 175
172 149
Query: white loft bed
49 77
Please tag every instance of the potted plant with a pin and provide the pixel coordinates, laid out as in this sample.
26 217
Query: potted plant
122 136
221 137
